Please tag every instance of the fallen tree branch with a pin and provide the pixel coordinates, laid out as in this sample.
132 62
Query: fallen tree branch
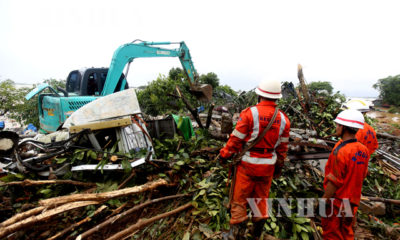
42 217
126 213
209 116
189 107
105 195
133 173
303 87
378 199
28 182
20 216
144 222
77 224
387 135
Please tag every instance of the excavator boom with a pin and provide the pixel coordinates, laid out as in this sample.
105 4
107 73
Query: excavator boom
128 52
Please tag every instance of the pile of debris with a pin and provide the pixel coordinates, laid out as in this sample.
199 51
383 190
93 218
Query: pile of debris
129 176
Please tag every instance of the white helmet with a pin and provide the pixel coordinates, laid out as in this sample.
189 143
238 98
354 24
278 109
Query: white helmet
350 118
358 105
269 89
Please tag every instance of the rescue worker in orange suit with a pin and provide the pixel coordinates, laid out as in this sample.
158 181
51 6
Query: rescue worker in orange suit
262 162
367 135
345 171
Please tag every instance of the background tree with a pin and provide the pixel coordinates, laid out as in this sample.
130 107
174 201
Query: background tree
389 89
18 108
319 86
8 96
210 78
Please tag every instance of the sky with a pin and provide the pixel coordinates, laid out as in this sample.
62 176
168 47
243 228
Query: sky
351 44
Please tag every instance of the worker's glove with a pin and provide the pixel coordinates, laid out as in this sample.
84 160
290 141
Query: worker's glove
278 168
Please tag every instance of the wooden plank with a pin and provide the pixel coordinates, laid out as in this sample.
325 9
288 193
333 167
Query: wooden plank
102 125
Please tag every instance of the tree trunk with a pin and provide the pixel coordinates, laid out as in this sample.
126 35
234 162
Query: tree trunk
103 196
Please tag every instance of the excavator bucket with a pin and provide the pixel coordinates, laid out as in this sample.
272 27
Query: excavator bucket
203 92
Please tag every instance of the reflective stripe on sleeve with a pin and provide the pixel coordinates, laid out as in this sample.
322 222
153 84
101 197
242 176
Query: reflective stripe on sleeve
281 128
238 134
254 160
283 124
256 124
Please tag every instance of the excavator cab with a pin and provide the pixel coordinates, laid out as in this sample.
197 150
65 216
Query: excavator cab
90 82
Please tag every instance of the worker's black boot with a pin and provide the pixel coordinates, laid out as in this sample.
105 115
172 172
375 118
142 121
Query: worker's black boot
258 229
236 232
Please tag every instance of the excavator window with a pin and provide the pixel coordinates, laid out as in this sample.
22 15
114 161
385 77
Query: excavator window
73 82
93 84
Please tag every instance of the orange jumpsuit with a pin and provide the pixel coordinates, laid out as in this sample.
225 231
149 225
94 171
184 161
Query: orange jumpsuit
346 168
367 136
255 171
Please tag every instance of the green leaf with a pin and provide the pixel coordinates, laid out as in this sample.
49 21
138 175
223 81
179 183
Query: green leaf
114 147
19 176
60 160
180 163
202 192
196 212
45 191
92 154
273 225
213 213
304 236
301 220
80 156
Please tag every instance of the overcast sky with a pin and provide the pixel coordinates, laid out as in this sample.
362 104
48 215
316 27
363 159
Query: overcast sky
351 44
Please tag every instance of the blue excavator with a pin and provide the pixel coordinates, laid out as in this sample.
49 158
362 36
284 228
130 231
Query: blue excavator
84 86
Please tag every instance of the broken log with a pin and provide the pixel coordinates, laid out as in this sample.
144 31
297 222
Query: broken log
77 224
303 87
105 195
24 224
219 136
216 123
126 213
144 222
28 182
378 199
20 216
387 135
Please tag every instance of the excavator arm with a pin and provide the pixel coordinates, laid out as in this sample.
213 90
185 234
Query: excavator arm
128 52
